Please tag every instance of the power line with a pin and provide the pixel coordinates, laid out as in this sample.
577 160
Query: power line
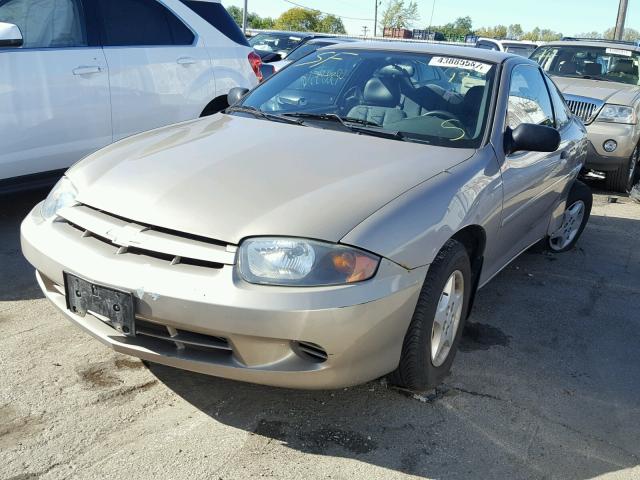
327 13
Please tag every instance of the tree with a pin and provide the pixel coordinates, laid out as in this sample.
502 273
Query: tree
629 35
515 31
499 31
299 19
595 35
332 24
305 20
547 35
397 14
253 19
533 35
457 29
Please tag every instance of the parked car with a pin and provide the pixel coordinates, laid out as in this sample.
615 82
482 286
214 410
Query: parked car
354 252
275 46
599 80
76 75
522 48
306 49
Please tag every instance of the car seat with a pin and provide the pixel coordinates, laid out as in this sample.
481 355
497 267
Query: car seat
381 102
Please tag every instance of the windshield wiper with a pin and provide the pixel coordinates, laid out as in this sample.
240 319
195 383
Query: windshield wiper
260 114
365 127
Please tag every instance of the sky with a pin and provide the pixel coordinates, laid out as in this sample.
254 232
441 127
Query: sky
570 17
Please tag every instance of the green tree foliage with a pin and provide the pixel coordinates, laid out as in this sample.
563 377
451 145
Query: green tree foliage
457 29
253 19
305 20
499 31
630 34
332 24
398 14
515 31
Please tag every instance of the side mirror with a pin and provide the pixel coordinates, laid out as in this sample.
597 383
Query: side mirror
267 70
235 95
271 57
529 137
10 35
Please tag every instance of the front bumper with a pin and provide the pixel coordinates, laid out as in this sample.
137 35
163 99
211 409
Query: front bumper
598 133
361 327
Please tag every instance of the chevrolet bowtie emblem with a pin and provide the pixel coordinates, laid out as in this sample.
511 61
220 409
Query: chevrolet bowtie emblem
126 236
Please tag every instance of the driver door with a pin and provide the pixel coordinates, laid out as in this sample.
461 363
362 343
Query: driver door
532 181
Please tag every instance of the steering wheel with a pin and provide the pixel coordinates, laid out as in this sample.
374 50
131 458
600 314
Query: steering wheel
352 97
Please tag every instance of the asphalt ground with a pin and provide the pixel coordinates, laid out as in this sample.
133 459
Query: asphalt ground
547 385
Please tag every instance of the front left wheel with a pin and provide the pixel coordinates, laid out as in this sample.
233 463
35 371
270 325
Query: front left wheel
433 336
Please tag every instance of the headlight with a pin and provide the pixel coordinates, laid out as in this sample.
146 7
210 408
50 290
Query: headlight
617 114
63 195
304 263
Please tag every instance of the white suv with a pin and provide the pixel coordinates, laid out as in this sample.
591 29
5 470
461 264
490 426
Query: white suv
76 75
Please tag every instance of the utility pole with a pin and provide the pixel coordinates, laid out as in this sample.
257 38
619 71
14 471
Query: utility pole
244 18
622 16
375 21
433 9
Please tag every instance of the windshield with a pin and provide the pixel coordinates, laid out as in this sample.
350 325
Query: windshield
275 42
306 49
416 97
601 63
519 49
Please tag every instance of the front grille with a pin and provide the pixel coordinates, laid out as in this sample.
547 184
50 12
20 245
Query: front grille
129 237
181 338
583 107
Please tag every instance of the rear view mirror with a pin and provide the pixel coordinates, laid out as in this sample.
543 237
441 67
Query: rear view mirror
235 95
529 137
267 70
10 35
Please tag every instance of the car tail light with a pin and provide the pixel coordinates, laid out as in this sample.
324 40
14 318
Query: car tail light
256 63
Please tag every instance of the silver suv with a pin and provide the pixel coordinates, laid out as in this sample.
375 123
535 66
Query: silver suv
599 80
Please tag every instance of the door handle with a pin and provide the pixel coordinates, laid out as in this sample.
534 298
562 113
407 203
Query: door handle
87 69
186 61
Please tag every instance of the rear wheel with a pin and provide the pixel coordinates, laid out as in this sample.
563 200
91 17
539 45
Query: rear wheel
433 336
622 180
574 220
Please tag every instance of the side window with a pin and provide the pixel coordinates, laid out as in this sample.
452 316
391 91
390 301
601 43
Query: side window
529 100
560 108
46 23
141 23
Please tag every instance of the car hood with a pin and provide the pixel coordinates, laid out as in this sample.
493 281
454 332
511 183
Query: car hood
610 92
228 177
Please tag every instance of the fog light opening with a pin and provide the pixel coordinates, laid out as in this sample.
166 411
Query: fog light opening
310 351
610 146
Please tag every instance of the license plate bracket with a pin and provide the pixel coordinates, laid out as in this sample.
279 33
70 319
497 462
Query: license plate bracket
116 306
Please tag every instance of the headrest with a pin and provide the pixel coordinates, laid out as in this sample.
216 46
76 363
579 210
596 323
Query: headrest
594 69
398 69
624 66
383 94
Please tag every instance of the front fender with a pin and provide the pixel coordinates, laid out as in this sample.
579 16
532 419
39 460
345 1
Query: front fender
412 229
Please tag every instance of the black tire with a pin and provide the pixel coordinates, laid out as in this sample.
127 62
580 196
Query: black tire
580 192
622 179
416 370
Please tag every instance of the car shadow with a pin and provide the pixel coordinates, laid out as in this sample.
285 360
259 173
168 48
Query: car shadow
545 384
17 280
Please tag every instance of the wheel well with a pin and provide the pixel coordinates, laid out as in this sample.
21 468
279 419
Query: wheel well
474 240
216 105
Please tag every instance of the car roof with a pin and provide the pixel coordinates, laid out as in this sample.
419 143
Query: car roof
296 34
479 54
506 40
593 43
335 40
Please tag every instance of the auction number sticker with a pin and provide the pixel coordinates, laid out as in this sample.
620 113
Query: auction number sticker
463 63
619 51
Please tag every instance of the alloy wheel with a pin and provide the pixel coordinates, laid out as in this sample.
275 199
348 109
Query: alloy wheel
447 318
570 227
